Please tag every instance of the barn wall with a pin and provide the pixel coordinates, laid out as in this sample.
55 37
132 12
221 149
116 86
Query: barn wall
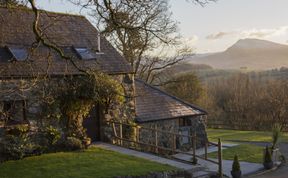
32 96
166 140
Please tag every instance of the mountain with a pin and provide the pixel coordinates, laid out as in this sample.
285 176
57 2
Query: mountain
250 54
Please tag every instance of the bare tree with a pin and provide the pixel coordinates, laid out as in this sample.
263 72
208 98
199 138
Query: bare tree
137 28
134 27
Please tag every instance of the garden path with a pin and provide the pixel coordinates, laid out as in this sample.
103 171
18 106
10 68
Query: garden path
148 156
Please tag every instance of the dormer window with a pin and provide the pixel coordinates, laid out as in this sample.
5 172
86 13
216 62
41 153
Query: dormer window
19 54
85 53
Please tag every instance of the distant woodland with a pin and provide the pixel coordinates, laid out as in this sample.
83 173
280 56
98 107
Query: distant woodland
234 99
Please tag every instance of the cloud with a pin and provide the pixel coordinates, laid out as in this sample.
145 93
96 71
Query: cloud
264 33
251 33
191 41
218 35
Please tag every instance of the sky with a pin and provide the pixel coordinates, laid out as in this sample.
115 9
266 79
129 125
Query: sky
216 26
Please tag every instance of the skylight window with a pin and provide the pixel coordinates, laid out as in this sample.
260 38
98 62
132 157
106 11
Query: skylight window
85 53
19 54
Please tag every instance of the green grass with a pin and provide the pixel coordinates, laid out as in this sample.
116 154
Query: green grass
245 152
229 135
94 162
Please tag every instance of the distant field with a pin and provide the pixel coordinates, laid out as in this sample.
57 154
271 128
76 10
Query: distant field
236 135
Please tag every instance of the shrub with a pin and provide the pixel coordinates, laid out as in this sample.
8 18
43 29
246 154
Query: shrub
276 133
52 135
236 164
17 130
17 143
282 159
129 130
47 139
73 143
32 149
267 156
12 147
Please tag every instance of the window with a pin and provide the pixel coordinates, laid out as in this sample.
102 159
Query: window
19 54
13 112
184 122
85 54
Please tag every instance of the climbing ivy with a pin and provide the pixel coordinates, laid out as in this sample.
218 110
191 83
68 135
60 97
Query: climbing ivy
74 97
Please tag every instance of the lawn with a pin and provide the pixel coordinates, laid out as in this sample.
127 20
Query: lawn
94 162
245 152
236 135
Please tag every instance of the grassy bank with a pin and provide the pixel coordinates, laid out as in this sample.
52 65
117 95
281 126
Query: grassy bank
94 162
245 152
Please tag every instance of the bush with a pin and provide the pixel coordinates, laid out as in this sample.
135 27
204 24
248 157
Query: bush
12 147
47 138
17 130
276 133
267 156
129 130
236 164
73 143
52 135
16 143
16 147
282 159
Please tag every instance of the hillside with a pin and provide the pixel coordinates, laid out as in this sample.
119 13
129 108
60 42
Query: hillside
250 54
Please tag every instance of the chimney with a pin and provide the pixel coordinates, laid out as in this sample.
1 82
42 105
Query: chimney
99 43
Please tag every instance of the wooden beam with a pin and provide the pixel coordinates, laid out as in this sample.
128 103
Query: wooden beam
156 140
220 171
194 148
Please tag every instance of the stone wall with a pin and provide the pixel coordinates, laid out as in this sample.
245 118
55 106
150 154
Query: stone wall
124 112
27 91
167 174
31 91
166 140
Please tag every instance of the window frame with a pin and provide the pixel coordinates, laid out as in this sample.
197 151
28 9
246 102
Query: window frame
92 55
12 106
184 122
15 57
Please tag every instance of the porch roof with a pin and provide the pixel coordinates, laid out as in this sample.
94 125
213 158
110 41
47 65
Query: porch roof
153 104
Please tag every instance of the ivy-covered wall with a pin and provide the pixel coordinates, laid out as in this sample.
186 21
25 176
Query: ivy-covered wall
124 112
33 94
117 111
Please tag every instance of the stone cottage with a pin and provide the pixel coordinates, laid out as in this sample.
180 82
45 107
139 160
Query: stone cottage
23 64
158 109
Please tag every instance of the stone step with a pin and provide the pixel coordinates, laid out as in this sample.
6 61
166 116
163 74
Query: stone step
200 174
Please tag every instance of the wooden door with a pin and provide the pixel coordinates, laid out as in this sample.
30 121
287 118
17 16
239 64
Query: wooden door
92 125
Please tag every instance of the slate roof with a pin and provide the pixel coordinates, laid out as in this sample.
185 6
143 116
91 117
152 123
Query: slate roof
153 104
61 29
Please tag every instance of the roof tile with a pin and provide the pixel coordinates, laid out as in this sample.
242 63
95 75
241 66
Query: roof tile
154 104
63 30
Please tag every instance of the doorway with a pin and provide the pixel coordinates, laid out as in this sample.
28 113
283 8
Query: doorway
92 124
